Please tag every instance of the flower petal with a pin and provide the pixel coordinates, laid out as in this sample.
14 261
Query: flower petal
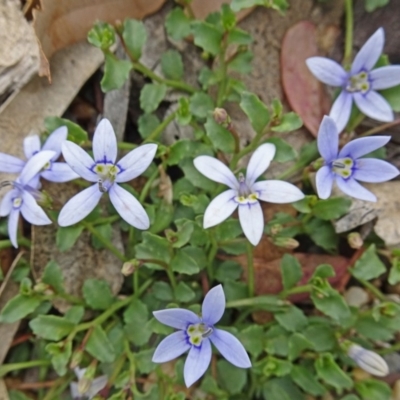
216 171
128 207
352 188
79 161
32 212
34 165
369 53
385 77
177 318
374 170
328 139
79 372
13 226
31 146
220 208
136 162
171 347
341 109
59 172
374 105
230 348
213 306
279 192
79 206
97 385
6 204
259 162
327 70
324 182
75 394
362 146
10 164
252 221
55 140
105 142
197 362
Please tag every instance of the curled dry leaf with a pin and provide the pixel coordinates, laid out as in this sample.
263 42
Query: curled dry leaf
305 94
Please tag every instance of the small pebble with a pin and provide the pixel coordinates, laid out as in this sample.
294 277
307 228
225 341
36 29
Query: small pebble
356 296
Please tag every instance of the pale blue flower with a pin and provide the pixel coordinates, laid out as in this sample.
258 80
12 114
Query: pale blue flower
360 83
106 173
346 166
196 335
22 197
245 192
53 171
86 389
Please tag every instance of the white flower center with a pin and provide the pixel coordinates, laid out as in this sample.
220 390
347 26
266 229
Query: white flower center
343 167
245 193
107 173
197 332
17 202
358 83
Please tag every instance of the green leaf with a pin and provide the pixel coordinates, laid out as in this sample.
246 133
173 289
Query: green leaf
183 115
367 326
53 276
228 270
172 65
104 230
332 208
151 96
102 35
289 122
368 266
238 5
187 148
177 24
373 389
17 395
51 327
18 307
284 151
207 36
136 318
253 338
239 36
201 104
277 367
184 293
256 111
67 236
307 380
220 137
322 233
135 37
184 264
75 314
99 346
394 275
97 294
162 291
61 353
144 361
183 234
153 247
235 290
291 271
116 73
297 344
292 319
321 336
147 123
392 95
231 378
75 133
372 5
242 62
331 373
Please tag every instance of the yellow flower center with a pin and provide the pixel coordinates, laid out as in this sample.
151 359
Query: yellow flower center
343 167
197 332
358 83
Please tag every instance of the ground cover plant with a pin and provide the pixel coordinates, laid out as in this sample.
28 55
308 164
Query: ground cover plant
186 222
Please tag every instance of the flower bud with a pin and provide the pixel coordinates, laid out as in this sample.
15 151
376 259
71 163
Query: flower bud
221 117
129 267
76 359
355 240
275 229
368 360
287 243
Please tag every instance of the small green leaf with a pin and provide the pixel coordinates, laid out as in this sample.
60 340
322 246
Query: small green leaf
116 72
242 62
372 5
153 247
368 266
291 271
184 293
172 65
178 24
207 36
75 314
97 294
147 123
201 104
332 208
373 389
183 115
53 276
253 338
289 122
184 233
307 381
99 346
102 35
239 36
297 344
220 137
392 95
238 5
328 370
61 353
18 307
321 336
228 270
51 327
394 275
151 96
135 37
136 317
144 361
184 264
284 151
162 291
67 236
256 111
231 378
277 367
322 233
75 133
292 319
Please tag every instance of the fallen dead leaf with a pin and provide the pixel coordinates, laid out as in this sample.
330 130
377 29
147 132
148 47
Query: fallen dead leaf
305 94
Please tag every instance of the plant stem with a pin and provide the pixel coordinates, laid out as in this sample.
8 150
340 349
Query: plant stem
5 369
250 268
373 289
381 128
223 69
348 47
138 66
147 186
5 244
106 220
295 290
154 135
104 241
211 256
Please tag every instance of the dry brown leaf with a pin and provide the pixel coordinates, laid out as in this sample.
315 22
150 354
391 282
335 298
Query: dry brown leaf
62 23
305 94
